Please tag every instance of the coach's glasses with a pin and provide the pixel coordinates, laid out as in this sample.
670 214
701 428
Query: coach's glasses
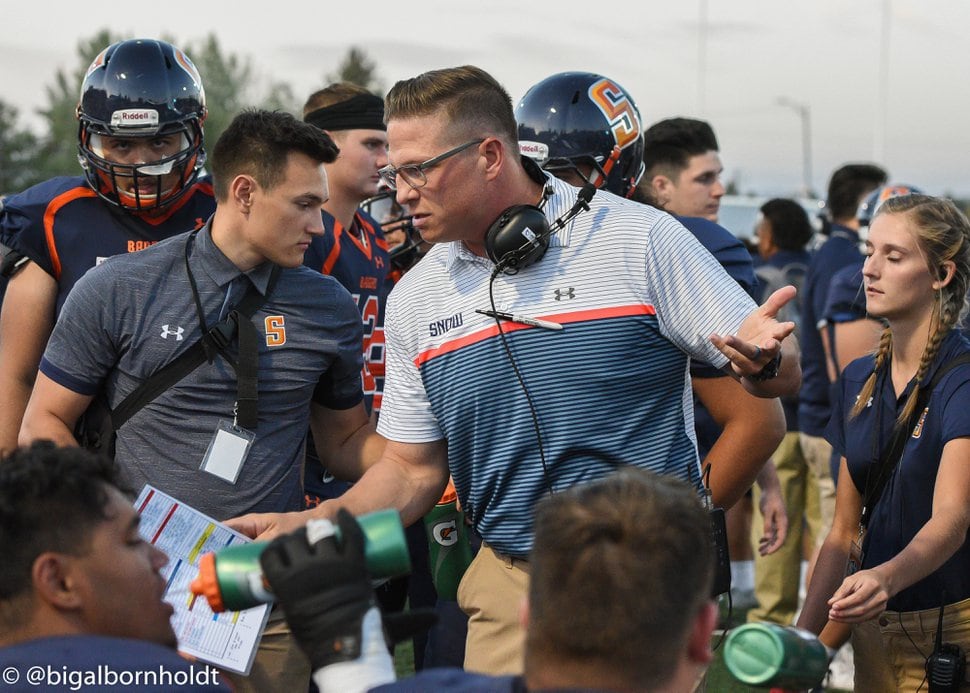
414 174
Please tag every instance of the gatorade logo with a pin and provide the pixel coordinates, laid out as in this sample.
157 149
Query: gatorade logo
445 533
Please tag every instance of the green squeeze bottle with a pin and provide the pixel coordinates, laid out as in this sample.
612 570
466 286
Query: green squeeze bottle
774 656
231 579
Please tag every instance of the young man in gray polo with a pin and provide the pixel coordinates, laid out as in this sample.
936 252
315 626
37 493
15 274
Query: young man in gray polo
134 314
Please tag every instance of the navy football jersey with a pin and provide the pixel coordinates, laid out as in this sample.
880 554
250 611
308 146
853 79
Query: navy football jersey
66 229
358 259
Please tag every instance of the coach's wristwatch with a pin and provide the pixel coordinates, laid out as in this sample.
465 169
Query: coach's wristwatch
769 371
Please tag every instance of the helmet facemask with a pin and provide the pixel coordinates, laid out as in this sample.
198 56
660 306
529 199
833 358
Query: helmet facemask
392 218
145 186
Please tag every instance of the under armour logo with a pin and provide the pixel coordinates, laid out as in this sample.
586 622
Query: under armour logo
166 331
565 293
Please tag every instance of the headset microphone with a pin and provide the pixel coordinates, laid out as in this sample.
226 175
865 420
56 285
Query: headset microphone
520 236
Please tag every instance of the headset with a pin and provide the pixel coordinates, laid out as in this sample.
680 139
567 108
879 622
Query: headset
520 236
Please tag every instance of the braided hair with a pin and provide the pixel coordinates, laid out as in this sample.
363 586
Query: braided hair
942 233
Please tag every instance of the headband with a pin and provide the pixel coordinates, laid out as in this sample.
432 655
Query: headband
361 112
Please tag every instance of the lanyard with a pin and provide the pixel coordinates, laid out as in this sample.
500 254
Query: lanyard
881 465
218 338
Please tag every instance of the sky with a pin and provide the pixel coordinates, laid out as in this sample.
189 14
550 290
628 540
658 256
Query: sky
879 80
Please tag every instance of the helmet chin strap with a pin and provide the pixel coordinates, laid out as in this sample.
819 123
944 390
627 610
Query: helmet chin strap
599 174
610 162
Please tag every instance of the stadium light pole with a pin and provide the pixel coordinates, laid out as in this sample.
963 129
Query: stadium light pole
804 113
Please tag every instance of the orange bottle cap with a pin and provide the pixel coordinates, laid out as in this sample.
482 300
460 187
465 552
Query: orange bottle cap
207 584
450 495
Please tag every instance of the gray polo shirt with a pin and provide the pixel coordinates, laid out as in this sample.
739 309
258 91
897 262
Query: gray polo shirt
133 314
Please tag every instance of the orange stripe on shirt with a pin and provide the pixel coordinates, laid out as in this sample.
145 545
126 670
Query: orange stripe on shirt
53 207
331 259
368 231
509 327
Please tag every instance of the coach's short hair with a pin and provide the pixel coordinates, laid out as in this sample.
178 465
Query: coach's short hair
475 103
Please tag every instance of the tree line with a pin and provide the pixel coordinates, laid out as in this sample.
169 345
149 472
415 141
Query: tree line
27 158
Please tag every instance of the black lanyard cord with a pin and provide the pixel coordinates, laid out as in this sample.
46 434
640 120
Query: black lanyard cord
207 345
218 338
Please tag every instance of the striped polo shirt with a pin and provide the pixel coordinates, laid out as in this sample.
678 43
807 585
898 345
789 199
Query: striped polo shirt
636 295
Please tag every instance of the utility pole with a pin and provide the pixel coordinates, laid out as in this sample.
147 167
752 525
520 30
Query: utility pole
804 113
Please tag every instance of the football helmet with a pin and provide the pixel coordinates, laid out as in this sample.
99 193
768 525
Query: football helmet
141 88
870 205
580 119
393 220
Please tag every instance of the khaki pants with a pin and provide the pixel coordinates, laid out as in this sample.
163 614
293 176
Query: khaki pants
891 651
491 593
818 453
280 665
776 576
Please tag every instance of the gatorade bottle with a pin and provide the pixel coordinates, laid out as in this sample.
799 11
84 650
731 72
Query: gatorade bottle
450 552
231 579
773 656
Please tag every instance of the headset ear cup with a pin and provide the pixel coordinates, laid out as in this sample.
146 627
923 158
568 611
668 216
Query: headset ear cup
518 238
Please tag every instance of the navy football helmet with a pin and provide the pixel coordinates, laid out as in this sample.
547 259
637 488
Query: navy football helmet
141 88
583 122
870 205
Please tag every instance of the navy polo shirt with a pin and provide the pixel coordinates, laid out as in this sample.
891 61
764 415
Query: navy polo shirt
840 250
846 300
735 259
906 503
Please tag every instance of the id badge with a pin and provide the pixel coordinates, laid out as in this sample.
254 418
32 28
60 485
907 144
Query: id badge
856 556
227 451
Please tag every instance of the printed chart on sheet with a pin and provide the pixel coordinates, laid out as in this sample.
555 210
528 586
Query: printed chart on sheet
227 640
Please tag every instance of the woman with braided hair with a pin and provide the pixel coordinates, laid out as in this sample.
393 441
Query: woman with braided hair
898 552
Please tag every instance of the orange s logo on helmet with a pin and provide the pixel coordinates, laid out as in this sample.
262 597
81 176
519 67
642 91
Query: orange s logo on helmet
893 191
98 62
618 109
183 60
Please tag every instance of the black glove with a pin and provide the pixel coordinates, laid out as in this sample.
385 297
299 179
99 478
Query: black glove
324 590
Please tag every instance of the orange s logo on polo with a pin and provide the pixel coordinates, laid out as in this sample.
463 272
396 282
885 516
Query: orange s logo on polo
918 430
275 330
618 109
